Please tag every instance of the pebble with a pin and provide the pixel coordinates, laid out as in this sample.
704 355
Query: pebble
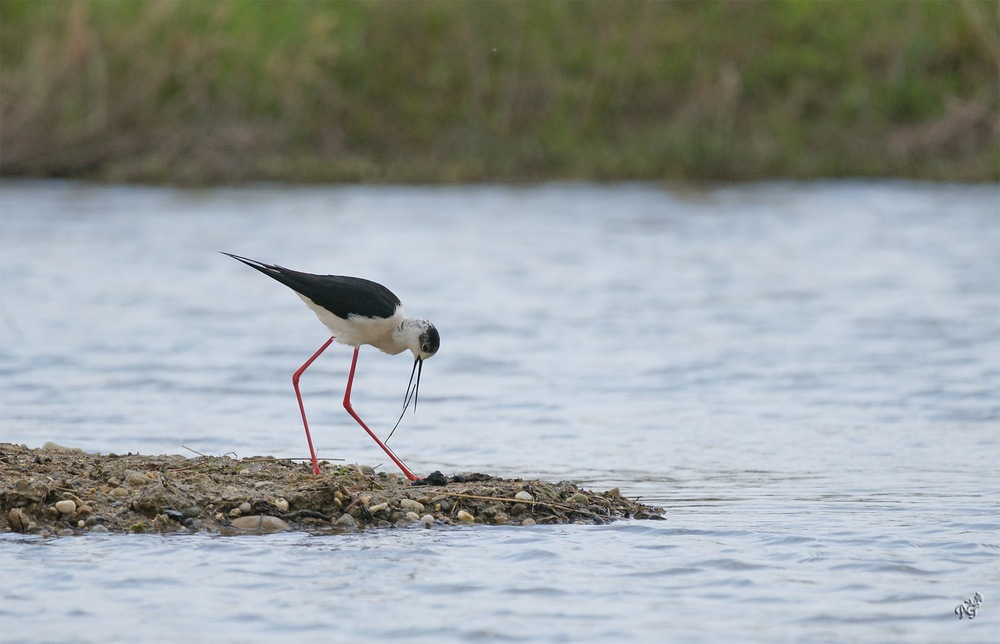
528 521
427 520
99 529
235 512
66 506
81 523
410 504
84 510
500 518
524 496
281 504
413 516
464 516
378 507
136 478
119 492
261 523
18 520
347 520
579 497
65 532
245 508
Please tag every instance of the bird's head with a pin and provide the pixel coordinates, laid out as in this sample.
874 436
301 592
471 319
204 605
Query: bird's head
428 340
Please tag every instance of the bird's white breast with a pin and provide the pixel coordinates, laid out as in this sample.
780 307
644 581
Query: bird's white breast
355 330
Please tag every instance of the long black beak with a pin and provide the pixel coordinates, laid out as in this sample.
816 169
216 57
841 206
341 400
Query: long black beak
411 394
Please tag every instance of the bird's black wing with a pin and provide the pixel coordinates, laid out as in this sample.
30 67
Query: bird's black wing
343 296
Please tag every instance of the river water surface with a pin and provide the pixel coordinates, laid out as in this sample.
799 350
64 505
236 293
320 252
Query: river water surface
805 376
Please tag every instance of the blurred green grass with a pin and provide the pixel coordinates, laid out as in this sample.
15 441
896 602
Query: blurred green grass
194 92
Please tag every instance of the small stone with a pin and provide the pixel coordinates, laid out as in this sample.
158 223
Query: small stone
378 507
220 516
84 510
524 496
528 521
518 508
65 532
261 524
579 497
347 521
191 513
163 523
18 520
119 492
136 478
81 523
245 508
235 512
98 529
281 504
427 520
410 504
614 492
464 516
413 516
500 518
66 506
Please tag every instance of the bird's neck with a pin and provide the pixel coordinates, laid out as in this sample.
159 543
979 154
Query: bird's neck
406 336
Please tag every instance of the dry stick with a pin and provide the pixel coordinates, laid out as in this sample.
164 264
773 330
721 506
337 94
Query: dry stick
193 450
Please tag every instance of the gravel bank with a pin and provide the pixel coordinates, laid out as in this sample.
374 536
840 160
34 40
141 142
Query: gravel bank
63 491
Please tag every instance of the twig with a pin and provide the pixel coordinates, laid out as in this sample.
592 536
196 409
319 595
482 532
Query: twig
193 450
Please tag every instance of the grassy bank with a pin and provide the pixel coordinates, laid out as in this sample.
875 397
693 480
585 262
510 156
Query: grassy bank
194 92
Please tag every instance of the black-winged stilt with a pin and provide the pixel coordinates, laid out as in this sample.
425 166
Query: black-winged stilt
357 311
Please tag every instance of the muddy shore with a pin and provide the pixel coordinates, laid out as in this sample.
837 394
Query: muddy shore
55 490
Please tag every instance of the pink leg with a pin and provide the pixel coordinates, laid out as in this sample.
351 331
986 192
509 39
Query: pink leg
350 410
305 423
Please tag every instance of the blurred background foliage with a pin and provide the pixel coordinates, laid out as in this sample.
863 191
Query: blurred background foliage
195 91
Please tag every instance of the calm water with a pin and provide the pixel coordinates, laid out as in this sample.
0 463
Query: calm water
807 377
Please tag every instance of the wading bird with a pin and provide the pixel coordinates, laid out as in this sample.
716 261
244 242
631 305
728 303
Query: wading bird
357 311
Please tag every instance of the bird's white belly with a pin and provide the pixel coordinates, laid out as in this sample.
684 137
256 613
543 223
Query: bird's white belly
355 331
